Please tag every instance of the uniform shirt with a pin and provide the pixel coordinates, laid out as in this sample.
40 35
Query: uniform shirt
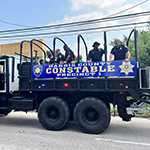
96 54
119 53
61 57
51 61
69 52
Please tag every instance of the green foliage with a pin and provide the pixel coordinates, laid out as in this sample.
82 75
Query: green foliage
121 42
112 109
48 52
143 47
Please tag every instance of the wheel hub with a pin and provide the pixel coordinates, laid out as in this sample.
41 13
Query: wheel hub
91 115
53 113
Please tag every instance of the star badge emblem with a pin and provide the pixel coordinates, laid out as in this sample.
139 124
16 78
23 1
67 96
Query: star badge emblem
126 67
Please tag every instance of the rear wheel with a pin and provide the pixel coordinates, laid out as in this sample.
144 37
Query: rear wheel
53 113
92 115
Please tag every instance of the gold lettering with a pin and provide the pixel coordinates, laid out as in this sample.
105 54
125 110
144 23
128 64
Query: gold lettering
94 69
55 70
111 68
48 71
85 69
77 69
69 70
101 69
62 70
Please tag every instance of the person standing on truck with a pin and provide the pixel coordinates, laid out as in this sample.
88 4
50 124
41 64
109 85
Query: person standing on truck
42 62
50 56
96 53
69 55
80 60
119 52
60 58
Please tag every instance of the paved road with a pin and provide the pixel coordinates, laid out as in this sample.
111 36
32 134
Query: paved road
20 131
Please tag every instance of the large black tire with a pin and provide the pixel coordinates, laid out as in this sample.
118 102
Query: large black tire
92 115
53 113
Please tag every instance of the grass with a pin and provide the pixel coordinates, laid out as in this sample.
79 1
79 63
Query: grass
142 113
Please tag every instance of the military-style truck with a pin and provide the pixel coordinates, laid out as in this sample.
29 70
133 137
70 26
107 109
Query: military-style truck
81 92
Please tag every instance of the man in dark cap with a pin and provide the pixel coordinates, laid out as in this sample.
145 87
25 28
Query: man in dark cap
96 53
61 57
69 55
50 56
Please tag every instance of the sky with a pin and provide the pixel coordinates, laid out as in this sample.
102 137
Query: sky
35 13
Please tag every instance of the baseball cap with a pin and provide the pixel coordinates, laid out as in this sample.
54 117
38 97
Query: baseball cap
49 55
96 43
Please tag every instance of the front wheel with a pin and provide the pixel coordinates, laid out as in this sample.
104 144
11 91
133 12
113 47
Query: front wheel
53 113
92 115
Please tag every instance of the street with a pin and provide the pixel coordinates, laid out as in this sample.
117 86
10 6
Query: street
21 131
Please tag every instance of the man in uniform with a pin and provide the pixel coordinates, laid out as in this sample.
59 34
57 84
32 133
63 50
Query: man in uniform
96 53
69 55
61 57
50 56
119 51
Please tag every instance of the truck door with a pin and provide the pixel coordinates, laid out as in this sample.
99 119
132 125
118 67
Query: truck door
2 75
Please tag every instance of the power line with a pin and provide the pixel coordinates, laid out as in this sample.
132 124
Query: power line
87 32
78 23
129 8
99 21
14 24
69 31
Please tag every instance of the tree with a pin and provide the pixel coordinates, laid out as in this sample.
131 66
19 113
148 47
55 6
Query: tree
48 52
143 42
144 47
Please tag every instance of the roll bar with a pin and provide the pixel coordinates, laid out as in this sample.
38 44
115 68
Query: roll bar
135 41
105 45
31 42
78 40
54 43
40 47
23 55
21 46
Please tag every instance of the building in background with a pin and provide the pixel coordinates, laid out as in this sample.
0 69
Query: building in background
10 49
